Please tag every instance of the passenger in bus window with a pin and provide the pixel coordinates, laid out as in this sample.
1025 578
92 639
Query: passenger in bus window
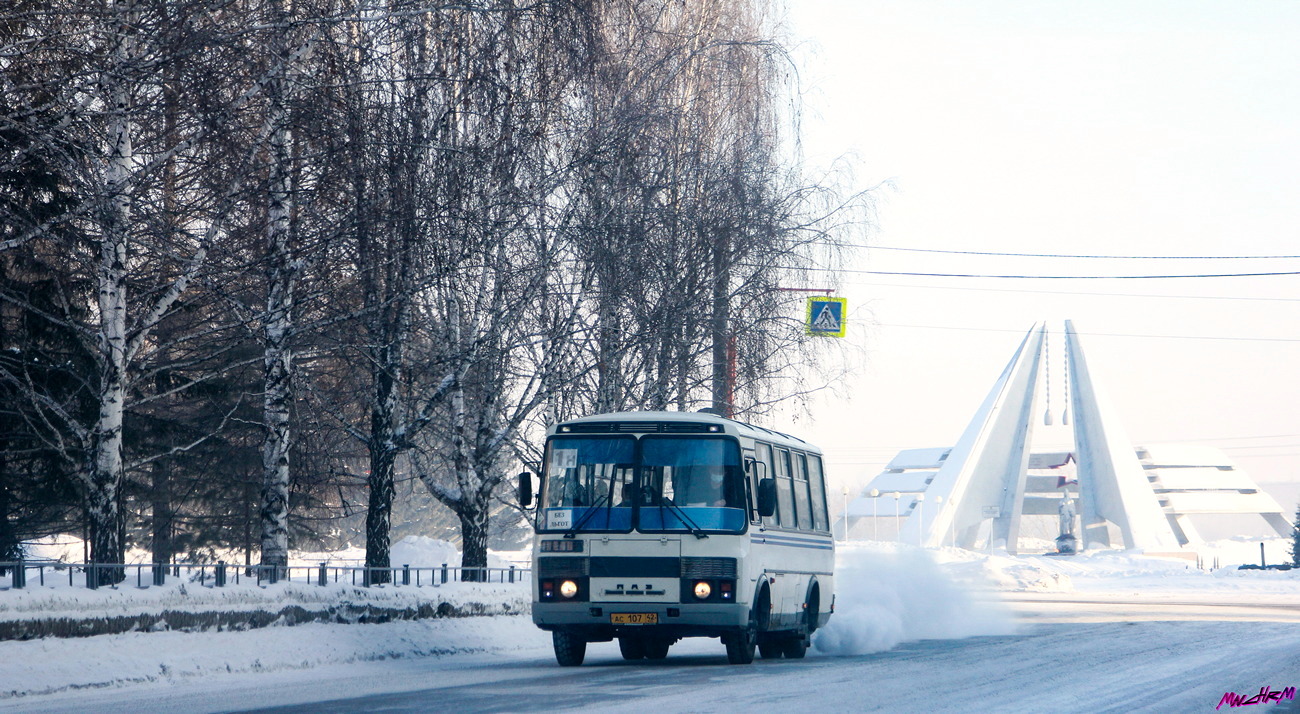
574 493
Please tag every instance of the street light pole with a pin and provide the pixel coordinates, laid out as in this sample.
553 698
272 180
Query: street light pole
898 525
846 513
938 510
920 519
875 525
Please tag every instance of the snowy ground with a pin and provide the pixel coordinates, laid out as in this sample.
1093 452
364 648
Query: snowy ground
418 551
62 605
913 631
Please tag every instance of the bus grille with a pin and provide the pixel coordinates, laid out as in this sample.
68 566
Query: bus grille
708 567
631 567
562 567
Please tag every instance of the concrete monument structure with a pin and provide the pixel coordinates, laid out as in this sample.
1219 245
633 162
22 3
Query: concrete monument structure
977 492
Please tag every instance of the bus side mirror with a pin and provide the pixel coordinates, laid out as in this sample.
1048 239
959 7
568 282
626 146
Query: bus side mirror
526 490
767 497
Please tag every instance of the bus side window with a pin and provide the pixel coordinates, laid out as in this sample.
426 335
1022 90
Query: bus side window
800 484
762 469
817 480
784 491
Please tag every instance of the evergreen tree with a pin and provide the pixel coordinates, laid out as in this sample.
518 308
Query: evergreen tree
1295 539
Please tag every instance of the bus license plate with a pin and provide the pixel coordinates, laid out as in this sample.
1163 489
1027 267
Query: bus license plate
634 618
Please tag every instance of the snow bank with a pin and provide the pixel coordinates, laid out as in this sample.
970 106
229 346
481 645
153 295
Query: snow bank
1002 572
416 551
887 594
423 551
53 605
50 665
64 601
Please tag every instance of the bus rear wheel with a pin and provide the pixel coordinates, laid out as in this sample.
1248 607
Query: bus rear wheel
632 647
570 649
795 646
657 647
769 648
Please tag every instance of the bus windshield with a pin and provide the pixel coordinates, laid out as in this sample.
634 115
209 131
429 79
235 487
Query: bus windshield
690 484
682 484
589 483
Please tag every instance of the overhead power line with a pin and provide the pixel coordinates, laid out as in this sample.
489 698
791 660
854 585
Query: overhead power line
1041 277
1076 292
1100 334
1067 255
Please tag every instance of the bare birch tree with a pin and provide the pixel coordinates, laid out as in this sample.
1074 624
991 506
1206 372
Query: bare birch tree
111 142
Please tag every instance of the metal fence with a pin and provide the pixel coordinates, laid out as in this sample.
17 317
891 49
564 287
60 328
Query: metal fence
220 574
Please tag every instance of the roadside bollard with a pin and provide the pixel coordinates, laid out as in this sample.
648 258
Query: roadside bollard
444 573
321 578
159 574
406 574
20 575
221 574
92 576
512 573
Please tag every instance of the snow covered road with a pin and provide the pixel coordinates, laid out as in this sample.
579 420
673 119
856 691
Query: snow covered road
913 631
1157 666
1091 656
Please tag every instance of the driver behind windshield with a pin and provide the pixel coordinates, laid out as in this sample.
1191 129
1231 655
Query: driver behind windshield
703 486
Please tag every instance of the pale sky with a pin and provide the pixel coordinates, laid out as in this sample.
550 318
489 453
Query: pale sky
1101 128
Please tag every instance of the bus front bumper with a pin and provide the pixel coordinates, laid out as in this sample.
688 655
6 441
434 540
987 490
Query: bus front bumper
679 620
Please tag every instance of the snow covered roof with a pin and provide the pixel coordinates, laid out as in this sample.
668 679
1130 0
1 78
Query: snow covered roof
906 481
883 505
931 458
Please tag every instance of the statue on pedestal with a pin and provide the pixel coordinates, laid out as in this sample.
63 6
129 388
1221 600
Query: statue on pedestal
1066 542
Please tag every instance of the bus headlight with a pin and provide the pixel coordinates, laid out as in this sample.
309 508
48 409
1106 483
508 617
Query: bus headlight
568 589
703 590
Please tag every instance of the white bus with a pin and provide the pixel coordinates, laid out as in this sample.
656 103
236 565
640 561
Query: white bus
654 526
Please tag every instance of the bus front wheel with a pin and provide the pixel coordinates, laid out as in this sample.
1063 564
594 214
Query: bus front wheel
570 649
740 644
740 647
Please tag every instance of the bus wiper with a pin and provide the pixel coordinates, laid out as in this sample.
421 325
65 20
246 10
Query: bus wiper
590 512
681 515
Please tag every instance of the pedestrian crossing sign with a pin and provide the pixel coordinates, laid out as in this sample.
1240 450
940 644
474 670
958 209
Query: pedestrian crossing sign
826 316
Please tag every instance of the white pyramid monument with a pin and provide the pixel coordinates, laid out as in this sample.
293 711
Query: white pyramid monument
979 489
1113 484
985 472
